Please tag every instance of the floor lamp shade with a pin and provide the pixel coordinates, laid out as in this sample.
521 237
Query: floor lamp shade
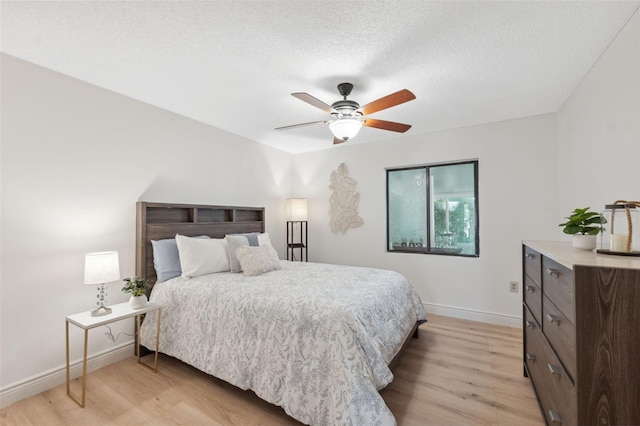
297 210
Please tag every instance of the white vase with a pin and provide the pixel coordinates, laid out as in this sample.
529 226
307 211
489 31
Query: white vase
584 242
137 302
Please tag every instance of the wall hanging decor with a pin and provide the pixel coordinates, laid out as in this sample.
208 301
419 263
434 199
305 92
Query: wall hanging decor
343 204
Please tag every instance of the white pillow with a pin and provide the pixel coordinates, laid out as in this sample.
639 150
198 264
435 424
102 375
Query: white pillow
166 259
233 243
202 256
257 260
263 240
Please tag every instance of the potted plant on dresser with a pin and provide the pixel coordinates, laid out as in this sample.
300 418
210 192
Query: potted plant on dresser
137 287
584 226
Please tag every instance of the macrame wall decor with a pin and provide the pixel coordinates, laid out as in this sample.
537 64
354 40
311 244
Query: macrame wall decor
343 204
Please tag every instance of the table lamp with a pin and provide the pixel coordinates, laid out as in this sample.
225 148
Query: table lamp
101 268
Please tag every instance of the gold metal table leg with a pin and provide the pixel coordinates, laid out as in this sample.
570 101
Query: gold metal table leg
81 401
66 323
155 363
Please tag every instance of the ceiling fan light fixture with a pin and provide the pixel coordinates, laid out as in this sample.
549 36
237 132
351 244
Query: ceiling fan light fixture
348 117
345 128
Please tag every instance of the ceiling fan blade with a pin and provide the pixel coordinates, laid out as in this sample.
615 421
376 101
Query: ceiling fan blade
336 141
293 126
387 125
313 101
388 101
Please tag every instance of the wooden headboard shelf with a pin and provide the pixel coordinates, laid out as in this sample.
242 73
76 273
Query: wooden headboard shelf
158 221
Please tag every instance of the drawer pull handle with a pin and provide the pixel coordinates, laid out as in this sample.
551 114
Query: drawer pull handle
553 318
552 272
530 324
555 417
531 289
529 256
554 370
531 357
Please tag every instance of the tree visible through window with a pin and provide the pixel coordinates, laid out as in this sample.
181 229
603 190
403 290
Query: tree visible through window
433 209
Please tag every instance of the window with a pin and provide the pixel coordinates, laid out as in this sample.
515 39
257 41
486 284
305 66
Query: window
433 209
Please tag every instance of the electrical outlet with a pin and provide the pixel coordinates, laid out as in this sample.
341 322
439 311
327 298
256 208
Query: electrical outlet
513 286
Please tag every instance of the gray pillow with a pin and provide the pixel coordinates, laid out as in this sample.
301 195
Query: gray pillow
252 237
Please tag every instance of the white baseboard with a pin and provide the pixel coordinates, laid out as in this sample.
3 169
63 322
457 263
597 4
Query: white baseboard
474 315
57 376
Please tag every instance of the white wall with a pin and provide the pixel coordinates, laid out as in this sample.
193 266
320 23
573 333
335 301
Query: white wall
75 159
518 200
599 129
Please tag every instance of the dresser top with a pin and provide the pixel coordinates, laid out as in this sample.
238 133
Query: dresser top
563 253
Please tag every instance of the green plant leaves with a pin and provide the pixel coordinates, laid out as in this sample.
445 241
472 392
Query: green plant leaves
136 286
580 221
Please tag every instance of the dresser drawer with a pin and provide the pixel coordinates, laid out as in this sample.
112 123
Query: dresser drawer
555 390
531 263
557 285
533 342
561 333
533 298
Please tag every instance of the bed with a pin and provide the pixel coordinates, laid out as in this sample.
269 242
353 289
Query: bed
315 339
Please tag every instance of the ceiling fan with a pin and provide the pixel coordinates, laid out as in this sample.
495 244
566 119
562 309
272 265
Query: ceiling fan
348 116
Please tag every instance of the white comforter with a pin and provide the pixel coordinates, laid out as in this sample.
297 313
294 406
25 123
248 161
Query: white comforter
313 338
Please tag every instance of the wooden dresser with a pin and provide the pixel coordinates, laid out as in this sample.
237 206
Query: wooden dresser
581 322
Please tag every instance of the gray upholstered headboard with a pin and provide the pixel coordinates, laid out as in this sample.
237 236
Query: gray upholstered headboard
157 221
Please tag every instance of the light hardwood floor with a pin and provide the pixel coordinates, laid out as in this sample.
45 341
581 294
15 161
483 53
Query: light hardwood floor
457 373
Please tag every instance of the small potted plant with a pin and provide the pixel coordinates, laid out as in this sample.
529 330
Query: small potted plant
137 287
583 225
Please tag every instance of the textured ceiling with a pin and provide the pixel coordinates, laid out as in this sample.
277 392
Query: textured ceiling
233 64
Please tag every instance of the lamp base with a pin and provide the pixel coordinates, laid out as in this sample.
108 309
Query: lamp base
100 310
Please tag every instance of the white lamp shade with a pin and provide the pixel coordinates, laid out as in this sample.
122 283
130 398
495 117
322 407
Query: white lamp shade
297 209
345 128
100 268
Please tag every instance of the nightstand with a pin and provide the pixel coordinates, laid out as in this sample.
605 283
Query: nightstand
121 311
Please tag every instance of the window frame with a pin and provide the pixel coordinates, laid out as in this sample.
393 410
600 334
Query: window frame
428 249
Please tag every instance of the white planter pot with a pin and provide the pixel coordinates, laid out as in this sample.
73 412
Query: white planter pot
584 242
137 302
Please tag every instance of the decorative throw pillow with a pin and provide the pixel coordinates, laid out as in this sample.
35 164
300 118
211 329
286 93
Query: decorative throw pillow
257 260
202 256
166 259
233 243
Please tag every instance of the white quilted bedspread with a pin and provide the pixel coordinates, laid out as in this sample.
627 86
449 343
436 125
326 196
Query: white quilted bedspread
313 338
